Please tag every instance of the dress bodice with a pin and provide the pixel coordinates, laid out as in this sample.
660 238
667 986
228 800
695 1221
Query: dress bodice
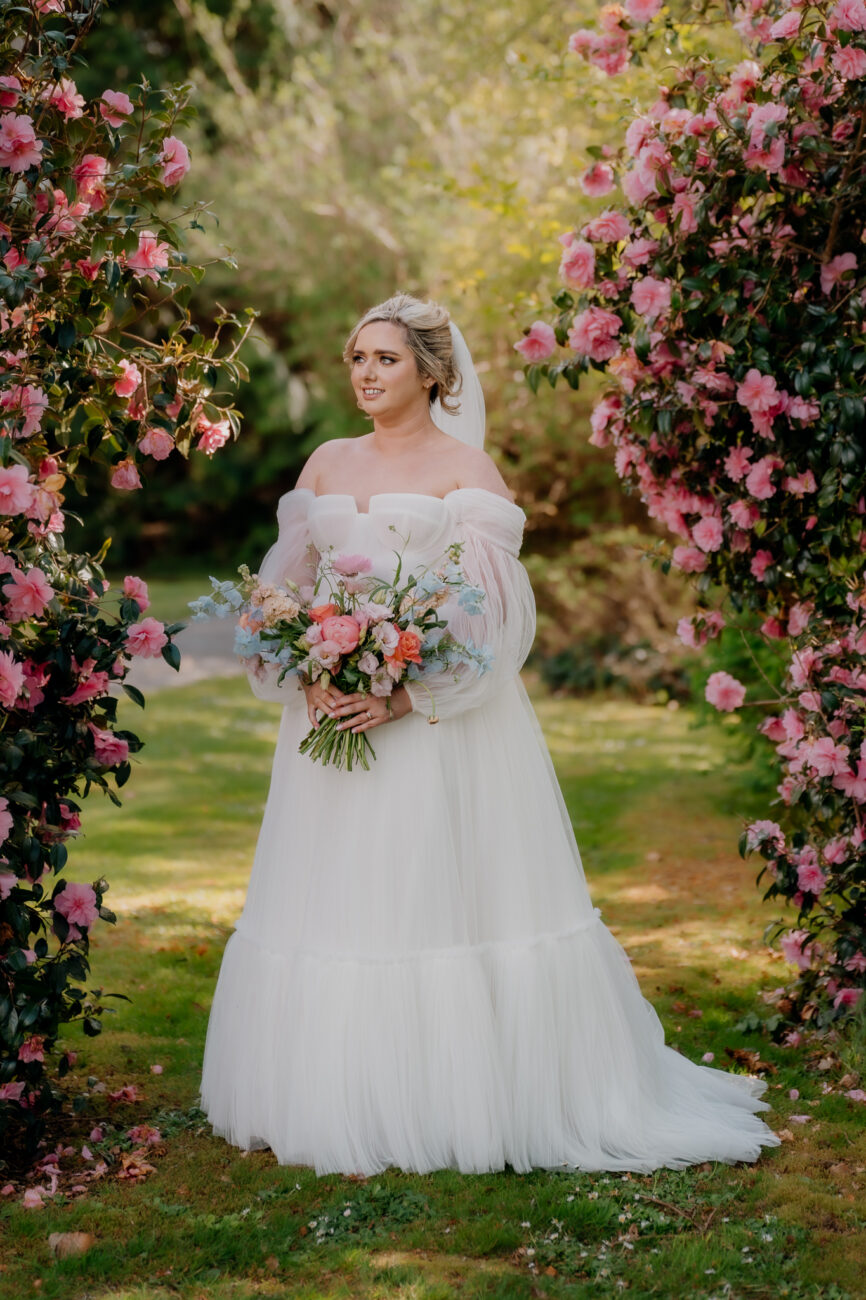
417 525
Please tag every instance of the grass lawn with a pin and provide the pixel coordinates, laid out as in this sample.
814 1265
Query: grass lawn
657 806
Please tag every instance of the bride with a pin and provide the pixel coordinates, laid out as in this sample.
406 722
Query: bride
418 977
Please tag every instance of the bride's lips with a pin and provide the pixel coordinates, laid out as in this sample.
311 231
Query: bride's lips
370 397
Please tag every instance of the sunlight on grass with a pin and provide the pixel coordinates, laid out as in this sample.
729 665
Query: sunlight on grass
657 805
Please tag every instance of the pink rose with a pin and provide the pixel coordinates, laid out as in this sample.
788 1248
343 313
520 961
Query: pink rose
109 750
343 630
146 638
125 476
539 343
157 443
174 157
77 902
641 11
16 490
724 692
136 589
115 107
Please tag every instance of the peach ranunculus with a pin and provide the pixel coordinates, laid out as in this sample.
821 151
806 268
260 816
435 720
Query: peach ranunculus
343 630
319 613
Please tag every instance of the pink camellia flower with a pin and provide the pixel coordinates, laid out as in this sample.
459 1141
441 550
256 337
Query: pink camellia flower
847 998
27 595
758 392
708 533
798 617
77 902
174 157
10 91
760 563
146 638
598 180
157 443
89 176
724 692
539 343
65 97
127 383
689 559
758 480
848 16
115 107
151 256
771 627
651 297
833 271
639 251
214 434
109 750
90 684
608 228
593 333
801 409
737 462
850 62
32 1049
853 784
744 514
577 264
136 589
16 490
6 819
343 631
352 565
19 148
641 11
761 831
125 475
11 678
810 878
786 26
800 483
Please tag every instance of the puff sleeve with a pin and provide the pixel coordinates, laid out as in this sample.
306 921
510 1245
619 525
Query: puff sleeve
293 558
491 530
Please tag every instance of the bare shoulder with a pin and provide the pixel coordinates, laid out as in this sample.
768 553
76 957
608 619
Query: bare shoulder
319 459
476 469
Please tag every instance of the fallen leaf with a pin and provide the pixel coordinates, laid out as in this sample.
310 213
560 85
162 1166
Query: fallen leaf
66 1244
751 1060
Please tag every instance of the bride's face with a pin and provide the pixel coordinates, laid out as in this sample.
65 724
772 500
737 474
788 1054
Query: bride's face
384 371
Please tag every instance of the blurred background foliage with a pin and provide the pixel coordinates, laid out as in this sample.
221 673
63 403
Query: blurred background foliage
351 150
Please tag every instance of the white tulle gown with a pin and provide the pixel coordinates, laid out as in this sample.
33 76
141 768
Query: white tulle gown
419 978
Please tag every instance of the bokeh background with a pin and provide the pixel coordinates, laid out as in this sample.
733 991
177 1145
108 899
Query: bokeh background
352 150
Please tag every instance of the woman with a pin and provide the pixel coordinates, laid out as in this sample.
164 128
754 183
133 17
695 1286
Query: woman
418 977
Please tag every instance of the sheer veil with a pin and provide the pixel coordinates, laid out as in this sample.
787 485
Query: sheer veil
469 423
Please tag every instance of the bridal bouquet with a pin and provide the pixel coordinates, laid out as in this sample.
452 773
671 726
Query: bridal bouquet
361 632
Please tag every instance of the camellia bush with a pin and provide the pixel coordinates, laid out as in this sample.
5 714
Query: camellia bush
100 362
722 292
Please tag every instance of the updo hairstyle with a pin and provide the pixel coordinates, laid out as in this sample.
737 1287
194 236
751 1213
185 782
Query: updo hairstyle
428 336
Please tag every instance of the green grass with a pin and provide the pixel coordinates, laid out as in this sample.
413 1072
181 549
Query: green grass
657 806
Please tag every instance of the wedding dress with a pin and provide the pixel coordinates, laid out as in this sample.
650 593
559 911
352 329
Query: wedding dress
418 977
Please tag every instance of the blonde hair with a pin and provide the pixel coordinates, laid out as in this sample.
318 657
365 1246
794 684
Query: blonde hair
426 326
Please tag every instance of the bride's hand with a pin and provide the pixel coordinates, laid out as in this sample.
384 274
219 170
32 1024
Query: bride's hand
363 712
323 699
